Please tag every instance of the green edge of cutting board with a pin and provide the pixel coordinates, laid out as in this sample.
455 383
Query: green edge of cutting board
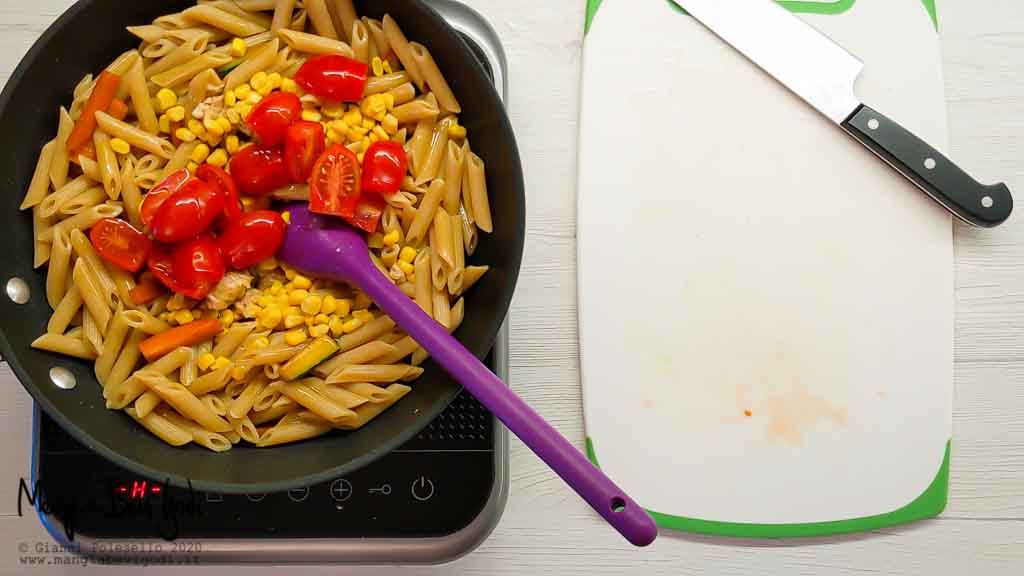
930 503
837 7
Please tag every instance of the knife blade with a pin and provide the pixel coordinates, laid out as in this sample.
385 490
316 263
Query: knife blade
824 75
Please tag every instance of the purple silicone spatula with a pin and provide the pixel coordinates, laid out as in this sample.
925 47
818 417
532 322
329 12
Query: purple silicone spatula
328 248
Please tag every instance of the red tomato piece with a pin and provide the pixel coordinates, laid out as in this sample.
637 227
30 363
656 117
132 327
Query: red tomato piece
259 171
303 144
225 186
188 212
384 165
333 77
367 213
252 238
272 116
334 184
197 266
119 243
159 263
161 192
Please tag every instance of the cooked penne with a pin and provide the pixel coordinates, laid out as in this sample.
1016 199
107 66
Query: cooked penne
313 44
274 411
40 183
184 401
146 403
136 137
457 272
339 395
369 331
161 427
183 73
434 79
178 161
115 388
216 404
246 430
469 234
358 355
387 82
257 5
162 47
292 429
85 251
306 396
141 320
131 196
241 405
83 201
124 283
424 108
59 161
419 149
201 436
211 381
344 15
369 391
402 348
374 373
441 245
453 166
91 332
321 18
442 306
231 6
472 274
431 165
425 212
60 262
230 341
282 14
55 203
106 159
69 305
226 21
259 59
89 168
478 191
41 250
117 332
204 84
369 411
400 45
66 345
424 282
360 38
379 38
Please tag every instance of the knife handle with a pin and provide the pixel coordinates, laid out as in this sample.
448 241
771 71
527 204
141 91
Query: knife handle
944 181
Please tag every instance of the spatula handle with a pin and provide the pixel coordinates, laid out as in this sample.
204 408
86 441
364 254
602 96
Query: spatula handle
587 480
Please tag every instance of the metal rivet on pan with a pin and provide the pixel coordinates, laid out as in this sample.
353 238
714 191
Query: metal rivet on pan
987 201
873 124
62 378
929 163
17 290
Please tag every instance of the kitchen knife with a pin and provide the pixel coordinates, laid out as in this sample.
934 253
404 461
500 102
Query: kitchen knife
823 74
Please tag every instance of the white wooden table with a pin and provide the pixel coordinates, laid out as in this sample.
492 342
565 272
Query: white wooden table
545 526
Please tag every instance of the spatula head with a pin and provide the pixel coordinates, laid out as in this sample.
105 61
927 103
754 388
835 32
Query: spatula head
324 246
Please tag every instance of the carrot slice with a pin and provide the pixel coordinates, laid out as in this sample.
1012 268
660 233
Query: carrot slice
102 95
194 332
118 109
145 292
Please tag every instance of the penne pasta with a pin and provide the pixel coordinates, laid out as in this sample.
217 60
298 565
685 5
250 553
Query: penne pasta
313 44
457 272
83 201
184 401
117 332
242 405
223 20
379 39
424 108
358 355
369 391
91 332
344 14
369 411
41 250
469 234
339 395
201 436
131 196
69 305
146 403
425 213
183 73
441 249
402 348
106 159
433 78
478 192
232 7
321 18
161 427
136 137
40 183
59 161
387 82
115 388
369 331
58 274
143 321
424 282
231 340
282 14
246 430
55 203
419 149
360 39
260 58
438 148
306 396
216 404
162 47
66 345
400 45
83 248
89 168
256 5
178 161
453 167
181 54
299 427
472 274
442 307
211 381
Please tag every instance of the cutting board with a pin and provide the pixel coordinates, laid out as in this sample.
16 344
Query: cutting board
765 309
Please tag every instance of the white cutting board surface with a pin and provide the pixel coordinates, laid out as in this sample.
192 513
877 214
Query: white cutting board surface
739 254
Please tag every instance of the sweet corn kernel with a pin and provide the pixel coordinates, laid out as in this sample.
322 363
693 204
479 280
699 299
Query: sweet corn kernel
337 326
375 138
308 320
254 98
456 131
248 203
258 80
287 217
351 325
265 89
276 289
268 265
321 318
389 100
387 67
192 166
120 146
391 238
176 113
213 127
244 109
329 305
408 254
411 277
311 304
264 301
293 320
275 80
405 267
231 144
200 153
319 330
333 137
361 156
167 316
353 116
374 107
238 373
221 363
333 111
196 127
205 361
344 306
270 318
213 140
176 302
311 115
381 133
364 316
166 98
295 337
238 47
377 65
224 123
219 158
227 318
289 85
261 342
165 124
230 99
295 297
242 92
389 124
302 282
233 116
368 123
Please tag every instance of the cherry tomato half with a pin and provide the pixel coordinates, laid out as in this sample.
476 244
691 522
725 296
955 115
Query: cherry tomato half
188 212
334 184
367 213
119 243
159 263
225 186
303 144
252 238
161 192
384 166
333 77
197 266
272 116
259 171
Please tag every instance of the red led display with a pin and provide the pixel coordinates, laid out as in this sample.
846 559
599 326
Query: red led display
139 489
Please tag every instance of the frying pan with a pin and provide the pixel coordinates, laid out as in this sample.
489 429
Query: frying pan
87 38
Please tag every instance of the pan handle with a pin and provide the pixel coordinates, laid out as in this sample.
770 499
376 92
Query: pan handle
610 501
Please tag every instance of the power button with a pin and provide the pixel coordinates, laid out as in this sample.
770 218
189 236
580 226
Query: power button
422 489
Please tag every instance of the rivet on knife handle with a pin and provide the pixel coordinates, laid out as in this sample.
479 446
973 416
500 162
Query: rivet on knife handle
965 197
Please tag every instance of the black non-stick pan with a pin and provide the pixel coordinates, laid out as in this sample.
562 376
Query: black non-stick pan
87 38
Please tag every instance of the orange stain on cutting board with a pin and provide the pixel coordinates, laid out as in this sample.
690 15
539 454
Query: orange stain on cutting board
792 416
